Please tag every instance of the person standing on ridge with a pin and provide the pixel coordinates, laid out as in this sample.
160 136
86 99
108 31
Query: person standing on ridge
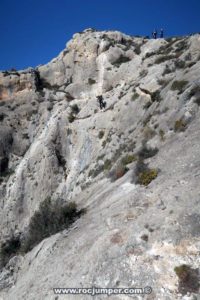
161 33
154 34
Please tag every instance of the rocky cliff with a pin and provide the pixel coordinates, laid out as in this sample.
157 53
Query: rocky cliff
134 167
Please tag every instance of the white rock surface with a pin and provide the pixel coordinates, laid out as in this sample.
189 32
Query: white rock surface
51 157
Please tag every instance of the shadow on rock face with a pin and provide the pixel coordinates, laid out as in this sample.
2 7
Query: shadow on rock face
6 141
3 164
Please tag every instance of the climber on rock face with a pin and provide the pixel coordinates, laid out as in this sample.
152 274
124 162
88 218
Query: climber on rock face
100 100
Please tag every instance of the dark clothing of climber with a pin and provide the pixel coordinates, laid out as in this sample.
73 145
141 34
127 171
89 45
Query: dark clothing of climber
154 34
102 104
161 33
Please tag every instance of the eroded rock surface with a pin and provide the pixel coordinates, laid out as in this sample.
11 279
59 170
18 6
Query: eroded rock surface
132 235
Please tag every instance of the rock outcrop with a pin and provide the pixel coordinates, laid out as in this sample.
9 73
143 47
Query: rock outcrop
134 166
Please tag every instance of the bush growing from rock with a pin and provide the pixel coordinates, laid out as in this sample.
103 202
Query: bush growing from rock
75 109
101 134
71 118
49 219
188 279
147 152
145 177
119 171
129 158
155 96
163 58
134 96
179 64
91 81
162 134
96 171
8 249
179 85
180 125
107 164
167 70
181 46
163 82
122 59
142 174
144 237
149 54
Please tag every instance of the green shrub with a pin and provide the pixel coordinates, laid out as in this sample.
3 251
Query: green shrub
104 143
96 171
134 96
163 82
49 219
188 279
156 97
71 118
179 64
167 70
129 158
107 165
118 172
163 58
149 54
122 59
75 109
181 46
179 85
147 152
144 237
6 173
8 249
166 49
91 81
145 177
180 125
162 134
101 134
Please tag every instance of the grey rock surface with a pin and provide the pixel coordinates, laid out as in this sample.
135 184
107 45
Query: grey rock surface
131 235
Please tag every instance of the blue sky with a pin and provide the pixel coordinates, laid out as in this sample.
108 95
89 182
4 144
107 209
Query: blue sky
32 32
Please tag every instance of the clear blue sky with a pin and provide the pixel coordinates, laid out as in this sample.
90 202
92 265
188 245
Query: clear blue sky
32 32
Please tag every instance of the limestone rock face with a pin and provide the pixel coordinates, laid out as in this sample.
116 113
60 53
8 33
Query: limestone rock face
56 142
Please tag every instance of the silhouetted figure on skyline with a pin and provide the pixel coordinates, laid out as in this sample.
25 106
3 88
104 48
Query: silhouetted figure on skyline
154 34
